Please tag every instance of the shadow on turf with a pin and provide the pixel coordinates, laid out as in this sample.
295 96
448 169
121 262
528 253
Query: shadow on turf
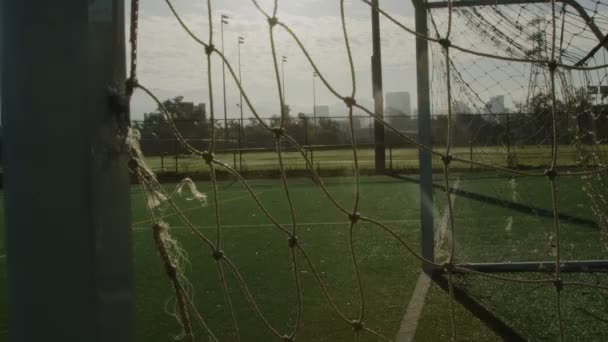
522 208
499 327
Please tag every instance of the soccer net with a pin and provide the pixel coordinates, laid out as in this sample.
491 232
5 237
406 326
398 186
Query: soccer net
542 66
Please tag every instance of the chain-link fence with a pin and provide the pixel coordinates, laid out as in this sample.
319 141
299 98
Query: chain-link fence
519 140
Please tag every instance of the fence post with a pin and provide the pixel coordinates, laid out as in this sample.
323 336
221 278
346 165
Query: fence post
305 130
508 134
69 274
176 142
162 161
390 156
470 153
240 160
234 158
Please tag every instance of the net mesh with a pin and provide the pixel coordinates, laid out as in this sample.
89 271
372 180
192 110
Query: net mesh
538 56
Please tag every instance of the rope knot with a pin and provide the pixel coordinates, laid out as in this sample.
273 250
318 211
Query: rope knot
350 101
288 338
209 49
217 255
551 173
278 132
292 241
448 267
447 159
273 21
445 43
130 85
552 66
558 284
208 157
157 228
357 325
354 217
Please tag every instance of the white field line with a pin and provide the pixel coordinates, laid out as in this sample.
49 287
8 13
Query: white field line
144 228
409 323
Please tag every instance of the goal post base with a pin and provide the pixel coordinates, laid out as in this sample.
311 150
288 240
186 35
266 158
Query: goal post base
533 266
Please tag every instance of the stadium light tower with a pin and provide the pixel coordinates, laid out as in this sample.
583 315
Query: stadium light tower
241 41
314 97
224 20
283 61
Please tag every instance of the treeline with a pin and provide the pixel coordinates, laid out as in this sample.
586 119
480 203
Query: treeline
530 125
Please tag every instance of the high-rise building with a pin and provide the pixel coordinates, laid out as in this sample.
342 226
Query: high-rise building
398 103
321 111
398 110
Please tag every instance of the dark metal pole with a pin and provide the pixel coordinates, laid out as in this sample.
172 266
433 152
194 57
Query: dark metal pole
471 152
224 21
240 160
241 41
176 142
314 105
377 90
537 266
283 60
69 265
390 156
508 134
240 139
305 130
314 98
424 137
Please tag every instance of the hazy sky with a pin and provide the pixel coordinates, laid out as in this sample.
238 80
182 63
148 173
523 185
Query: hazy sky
171 63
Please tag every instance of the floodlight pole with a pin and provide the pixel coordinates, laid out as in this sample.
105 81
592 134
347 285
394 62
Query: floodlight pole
241 41
377 90
67 205
283 60
314 98
224 20
425 160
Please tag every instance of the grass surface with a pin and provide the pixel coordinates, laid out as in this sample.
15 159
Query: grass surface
483 234
262 255
388 272
399 158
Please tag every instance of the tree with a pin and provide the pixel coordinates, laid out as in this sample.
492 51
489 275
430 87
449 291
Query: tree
157 132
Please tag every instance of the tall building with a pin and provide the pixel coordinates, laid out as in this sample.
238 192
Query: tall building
398 110
496 104
398 103
321 111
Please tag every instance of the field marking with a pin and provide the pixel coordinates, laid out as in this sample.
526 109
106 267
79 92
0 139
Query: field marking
260 225
409 323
